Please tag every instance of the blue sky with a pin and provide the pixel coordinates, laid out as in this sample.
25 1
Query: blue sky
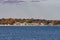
45 9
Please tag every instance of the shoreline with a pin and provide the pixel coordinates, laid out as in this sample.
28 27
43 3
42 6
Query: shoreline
28 22
30 25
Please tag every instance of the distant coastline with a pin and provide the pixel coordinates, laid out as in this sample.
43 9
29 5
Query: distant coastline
28 22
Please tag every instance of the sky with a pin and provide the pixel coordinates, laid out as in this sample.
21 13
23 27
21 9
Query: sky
44 9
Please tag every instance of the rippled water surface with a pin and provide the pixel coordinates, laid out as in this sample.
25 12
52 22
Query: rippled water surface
29 32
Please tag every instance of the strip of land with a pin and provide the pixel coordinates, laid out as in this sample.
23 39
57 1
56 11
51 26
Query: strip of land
28 22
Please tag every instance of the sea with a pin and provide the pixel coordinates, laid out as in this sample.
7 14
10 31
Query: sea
29 32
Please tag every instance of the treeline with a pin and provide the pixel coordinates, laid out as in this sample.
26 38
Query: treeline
11 21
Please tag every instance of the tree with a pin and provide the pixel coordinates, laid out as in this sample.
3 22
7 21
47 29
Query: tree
28 21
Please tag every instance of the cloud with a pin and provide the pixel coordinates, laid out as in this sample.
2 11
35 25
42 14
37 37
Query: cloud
48 9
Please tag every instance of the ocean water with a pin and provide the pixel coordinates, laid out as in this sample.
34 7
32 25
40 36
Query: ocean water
29 32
